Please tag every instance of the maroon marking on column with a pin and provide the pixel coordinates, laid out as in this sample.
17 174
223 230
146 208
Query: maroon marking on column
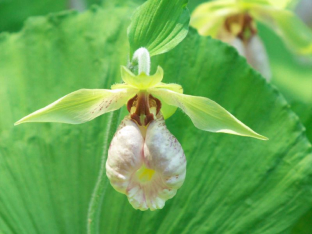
130 103
142 103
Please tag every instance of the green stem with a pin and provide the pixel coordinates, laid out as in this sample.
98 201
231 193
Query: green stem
95 204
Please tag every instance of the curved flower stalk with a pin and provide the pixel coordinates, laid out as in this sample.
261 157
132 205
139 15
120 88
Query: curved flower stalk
234 22
145 161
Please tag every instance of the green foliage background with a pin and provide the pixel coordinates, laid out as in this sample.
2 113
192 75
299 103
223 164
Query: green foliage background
233 185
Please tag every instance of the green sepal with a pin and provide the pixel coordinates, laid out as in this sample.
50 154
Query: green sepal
81 106
206 114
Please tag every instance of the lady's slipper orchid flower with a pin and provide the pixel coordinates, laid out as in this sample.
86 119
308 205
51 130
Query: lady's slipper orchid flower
233 21
145 161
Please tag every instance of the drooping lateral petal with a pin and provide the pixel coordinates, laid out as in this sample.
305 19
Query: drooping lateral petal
208 18
296 35
168 110
206 114
81 106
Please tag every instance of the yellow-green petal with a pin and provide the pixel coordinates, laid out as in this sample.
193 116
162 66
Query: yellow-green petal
168 110
296 35
141 81
81 106
208 18
206 114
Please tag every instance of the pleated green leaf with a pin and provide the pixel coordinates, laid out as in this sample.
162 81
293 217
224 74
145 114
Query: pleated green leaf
159 25
292 75
258 180
48 170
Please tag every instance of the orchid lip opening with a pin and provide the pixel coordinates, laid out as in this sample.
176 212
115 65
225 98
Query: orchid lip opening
145 174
